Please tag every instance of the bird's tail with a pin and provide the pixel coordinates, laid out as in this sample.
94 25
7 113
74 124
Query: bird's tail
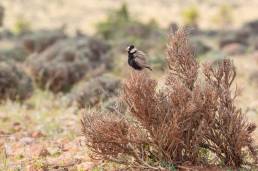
148 68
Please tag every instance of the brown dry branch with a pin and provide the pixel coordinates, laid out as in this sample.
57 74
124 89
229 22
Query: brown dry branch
230 133
173 125
181 60
109 137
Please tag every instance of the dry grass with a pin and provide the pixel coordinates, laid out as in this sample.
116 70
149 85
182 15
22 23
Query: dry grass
32 138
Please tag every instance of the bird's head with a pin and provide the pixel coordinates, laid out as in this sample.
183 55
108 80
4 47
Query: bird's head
131 49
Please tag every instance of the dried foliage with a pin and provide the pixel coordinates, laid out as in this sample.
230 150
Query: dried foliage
15 54
66 62
38 41
181 62
97 90
114 139
114 104
230 132
1 15
179 123
14 83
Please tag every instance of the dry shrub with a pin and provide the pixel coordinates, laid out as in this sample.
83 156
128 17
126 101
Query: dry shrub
27 43
1 15
181 62
16 54
91 93
14 83
230 133
179 123
114 139
66 62
114 104
38 41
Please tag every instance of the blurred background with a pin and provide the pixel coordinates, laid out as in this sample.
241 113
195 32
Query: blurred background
58 57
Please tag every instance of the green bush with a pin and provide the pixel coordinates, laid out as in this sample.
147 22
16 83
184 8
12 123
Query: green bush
120 29
190 15
115 20
224 15
16 53
21 25
1 15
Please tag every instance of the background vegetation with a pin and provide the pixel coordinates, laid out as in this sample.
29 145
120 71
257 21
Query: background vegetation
69 101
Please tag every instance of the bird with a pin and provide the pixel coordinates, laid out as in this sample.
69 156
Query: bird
137 59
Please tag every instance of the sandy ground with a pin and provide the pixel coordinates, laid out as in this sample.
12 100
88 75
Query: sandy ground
84 14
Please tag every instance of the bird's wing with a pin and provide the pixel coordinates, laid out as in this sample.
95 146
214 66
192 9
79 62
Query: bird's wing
140 57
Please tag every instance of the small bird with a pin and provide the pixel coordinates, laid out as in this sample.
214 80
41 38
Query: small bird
137 59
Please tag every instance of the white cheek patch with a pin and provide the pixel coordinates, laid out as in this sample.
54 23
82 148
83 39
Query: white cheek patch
133 50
